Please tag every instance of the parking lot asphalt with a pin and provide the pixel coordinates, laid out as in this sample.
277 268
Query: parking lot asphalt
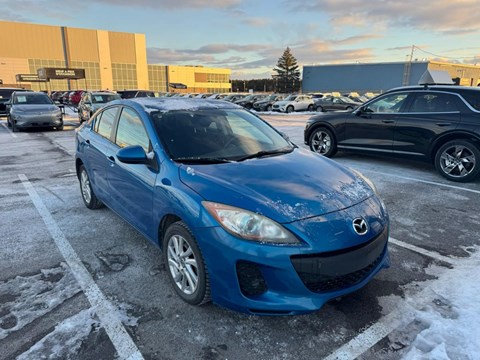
76 283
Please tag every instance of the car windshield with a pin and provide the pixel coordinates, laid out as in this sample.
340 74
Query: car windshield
209 136
31 99
347 100
104 98
291 98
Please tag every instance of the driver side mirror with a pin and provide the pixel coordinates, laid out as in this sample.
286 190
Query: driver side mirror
132 155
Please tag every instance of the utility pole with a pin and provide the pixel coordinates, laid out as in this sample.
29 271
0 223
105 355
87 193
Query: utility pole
407 68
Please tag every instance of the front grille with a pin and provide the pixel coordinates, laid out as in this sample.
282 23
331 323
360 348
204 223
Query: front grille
337 270
319 283
250 278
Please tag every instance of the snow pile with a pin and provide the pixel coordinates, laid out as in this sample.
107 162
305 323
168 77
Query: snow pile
452 319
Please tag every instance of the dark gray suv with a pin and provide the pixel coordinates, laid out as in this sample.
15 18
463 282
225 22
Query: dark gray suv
438 124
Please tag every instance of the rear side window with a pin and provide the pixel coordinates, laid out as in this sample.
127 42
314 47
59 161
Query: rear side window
433 103
131 131
104 123
473 98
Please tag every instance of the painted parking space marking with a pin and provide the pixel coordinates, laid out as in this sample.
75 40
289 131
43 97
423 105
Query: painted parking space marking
421 180
428 253
107 313
9 131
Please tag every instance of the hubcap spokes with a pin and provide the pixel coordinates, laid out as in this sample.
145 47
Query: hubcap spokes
457 161
85 182
182 264
321 142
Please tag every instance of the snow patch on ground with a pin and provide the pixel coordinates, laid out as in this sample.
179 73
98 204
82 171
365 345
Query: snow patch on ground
451 319
66 340
26 298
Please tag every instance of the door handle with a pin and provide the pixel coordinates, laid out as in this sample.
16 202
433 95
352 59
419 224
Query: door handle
444 124
111 159
388 121
87 141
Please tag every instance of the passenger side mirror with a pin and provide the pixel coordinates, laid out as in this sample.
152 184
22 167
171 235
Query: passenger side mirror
132 155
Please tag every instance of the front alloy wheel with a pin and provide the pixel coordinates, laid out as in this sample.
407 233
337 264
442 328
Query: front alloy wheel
457 160
323 142
186 268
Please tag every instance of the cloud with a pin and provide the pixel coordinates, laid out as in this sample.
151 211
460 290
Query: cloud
172 4
256 21
445 16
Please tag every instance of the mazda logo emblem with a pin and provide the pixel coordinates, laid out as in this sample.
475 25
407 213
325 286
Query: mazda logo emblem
360 226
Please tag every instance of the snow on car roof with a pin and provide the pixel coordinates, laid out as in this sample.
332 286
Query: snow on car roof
172 104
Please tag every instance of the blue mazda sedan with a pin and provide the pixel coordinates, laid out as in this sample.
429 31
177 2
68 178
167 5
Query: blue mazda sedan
243 217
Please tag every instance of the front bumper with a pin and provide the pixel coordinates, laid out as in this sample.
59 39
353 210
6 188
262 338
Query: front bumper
29 121
284 280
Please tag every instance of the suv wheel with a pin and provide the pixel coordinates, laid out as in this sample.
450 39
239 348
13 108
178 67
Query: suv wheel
323 142
290 109
458 160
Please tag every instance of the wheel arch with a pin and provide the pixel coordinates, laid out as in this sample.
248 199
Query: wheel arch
166 221
78 163
456 135
322 125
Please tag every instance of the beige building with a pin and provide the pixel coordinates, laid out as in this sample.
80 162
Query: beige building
111 60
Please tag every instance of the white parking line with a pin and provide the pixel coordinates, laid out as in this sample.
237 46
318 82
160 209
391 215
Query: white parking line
431 254
8 130
422 181
106 312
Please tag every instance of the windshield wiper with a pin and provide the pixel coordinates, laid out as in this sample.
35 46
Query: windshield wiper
267 153
201 160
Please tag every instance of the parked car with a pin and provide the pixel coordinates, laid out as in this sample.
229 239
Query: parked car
128 94
438 124
5 94
236 209
294 103
91 101
29 109
75 97
231 97
266 104
334 103
247 101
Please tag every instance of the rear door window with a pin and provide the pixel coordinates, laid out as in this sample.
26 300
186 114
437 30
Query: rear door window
104 123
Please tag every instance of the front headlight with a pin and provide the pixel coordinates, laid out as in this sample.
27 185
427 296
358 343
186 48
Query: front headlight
250 226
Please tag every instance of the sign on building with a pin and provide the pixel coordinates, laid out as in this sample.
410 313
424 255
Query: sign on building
60 73
28 78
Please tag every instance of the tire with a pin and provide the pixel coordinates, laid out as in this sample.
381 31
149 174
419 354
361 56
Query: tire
310 108
323 142
349 108
290 109
320 109
269 108
59 128
186 268
8 122
14 127
458 160
89 198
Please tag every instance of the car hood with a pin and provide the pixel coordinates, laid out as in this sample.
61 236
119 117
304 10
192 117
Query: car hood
35 108
285 188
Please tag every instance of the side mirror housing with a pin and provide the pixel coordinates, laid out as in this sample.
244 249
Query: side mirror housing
132 155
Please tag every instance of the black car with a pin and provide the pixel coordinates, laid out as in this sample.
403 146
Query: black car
129 94
439 124
266 104
329 103
247 101
5 94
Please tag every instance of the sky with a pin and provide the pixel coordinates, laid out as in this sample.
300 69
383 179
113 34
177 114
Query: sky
248 36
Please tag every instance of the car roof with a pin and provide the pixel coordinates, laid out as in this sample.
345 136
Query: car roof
175 104
453 88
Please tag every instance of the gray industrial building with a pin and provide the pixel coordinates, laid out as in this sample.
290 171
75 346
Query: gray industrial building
379 77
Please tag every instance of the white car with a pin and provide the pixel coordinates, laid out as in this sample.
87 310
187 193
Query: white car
295 103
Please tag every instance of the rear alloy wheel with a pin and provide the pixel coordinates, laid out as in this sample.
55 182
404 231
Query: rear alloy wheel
290 109
320 109
323 142
185 265
310 108
458 160
89 198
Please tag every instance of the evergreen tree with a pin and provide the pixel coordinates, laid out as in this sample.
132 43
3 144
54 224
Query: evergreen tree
288 74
